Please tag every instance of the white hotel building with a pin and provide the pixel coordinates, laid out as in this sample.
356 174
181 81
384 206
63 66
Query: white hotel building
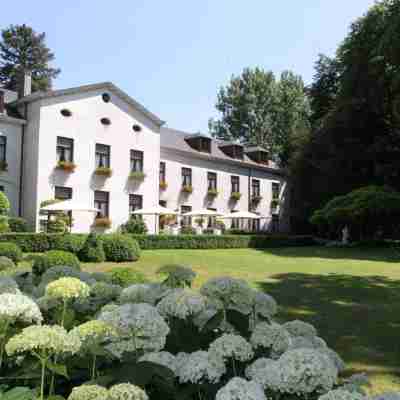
99 125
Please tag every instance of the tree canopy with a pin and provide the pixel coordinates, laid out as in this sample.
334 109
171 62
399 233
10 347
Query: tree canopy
22 49
257 109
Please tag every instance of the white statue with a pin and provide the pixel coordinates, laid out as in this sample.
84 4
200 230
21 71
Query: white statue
345 235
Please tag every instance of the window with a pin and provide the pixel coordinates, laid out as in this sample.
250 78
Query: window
102 156
136 161
276 188
136 128
200 143
162 172
234 221
235 184
106 97
65 112
163 203
211 220
186 221
212 180
62 193
275 224
2 189
102 203
186 177
3 148
65 149
255 188
105 121
256 225
135 202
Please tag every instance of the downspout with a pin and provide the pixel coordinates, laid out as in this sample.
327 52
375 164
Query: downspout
21 172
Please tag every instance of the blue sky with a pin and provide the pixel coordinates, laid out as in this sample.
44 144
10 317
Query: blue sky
172 56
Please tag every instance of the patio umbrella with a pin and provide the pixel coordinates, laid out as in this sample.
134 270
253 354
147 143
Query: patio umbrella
241 215
156 211
203 212
69 205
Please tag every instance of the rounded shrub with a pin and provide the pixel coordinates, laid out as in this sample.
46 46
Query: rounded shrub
126 277
4 204
11 250
54 258
18 225
6 263
92 250
135 226
120 248
68 242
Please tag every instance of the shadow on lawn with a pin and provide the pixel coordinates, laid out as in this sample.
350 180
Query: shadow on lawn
358 316
385 254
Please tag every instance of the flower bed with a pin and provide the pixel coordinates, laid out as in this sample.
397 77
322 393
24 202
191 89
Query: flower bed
92 339
103 171
137 176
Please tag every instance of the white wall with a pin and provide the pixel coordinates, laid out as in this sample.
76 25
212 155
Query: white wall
12 129
85 128
199 199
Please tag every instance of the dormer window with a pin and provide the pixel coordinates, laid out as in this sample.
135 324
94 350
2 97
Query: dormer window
105 121
233 150
136 128
65 112
258 155
106 97
200 143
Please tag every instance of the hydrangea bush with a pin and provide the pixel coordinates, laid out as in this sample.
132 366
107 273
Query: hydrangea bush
163 340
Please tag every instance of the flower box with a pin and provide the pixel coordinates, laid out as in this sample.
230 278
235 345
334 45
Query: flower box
102 222
163 185
3 166
103 171
187 189
137 175
212 192
66 166
236 195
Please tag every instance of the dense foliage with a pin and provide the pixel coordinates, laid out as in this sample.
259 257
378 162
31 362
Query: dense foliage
256 108
92 250
355 99
11 251
17 224
366 212
22 48
54 258
80 337
120 248
134 225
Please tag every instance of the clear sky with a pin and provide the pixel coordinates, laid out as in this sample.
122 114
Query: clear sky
172 56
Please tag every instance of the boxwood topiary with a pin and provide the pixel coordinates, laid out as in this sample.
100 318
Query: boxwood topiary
120 248
54 258
126 277
12 251
6 263
17 224
92 250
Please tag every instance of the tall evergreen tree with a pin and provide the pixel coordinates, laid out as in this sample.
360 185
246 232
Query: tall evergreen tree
21 48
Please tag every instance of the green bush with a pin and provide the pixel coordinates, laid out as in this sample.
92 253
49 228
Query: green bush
54 258
134 225
12 251
57 226
72 243
187 230
4 204
30 242
126 277
92 250
6 263
18 224
120 248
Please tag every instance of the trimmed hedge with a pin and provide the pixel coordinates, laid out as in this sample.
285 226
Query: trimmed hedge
120 248
220 241
11 251
41 242
54 258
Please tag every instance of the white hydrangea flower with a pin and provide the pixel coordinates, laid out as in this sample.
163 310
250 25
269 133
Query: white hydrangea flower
127 391
181 303
89 392
139 326
264 304
67 289
226 292
142 293
340 394
265 372
307 342
240 389
300 328
93 332
199 367
18 307
231 346
163 358
270 336
177 275
387 396
43 339
8 285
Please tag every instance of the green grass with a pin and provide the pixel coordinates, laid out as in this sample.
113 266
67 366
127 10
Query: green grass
351 295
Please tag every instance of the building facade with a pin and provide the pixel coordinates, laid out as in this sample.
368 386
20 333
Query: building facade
98 146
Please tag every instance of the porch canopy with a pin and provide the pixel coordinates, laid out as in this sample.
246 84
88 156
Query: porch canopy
156 211
69 205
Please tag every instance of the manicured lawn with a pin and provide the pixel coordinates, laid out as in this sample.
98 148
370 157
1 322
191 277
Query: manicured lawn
351 295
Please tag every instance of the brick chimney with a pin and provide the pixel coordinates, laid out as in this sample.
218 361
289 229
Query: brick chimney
24 83
2 101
